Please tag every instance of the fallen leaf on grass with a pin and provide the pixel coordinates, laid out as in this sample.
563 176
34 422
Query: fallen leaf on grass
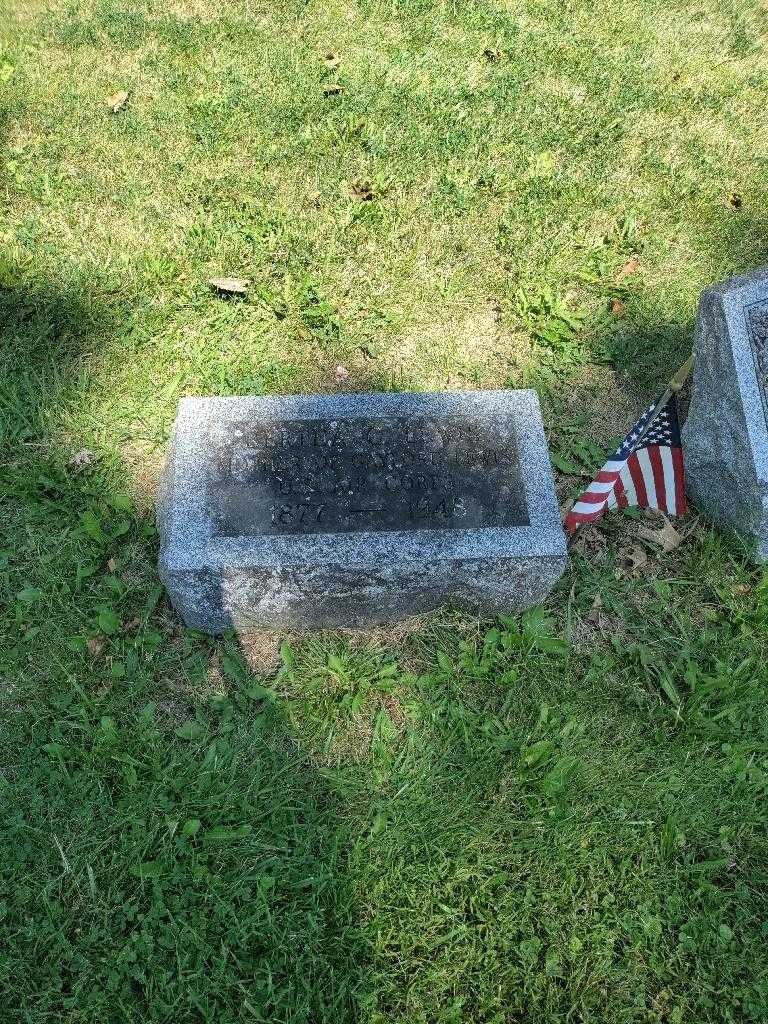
111 564
331 60
230 285
590 542
371 349
341 373
118 101
82 458
618 308
363 191
335 89
597 616
667 538
630 267
633 558
96 645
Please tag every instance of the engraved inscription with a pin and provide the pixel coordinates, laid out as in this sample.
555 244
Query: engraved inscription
345 475
757 328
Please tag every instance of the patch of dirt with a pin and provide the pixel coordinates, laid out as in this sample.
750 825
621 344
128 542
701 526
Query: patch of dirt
394 709
391 636
7 690
351 745
261 650
137 568
590 541
177 695
607 403
191 10
594 631
476 351
172 712
145 468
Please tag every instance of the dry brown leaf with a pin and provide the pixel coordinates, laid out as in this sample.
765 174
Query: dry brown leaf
229 285
637 557
331 60
96 645
363 191
335 89
341 373
597 617
591 542
118 101
111 564
631 561
618 308
133 624
595 614
82 458
735 200
740 589
630 267
667 538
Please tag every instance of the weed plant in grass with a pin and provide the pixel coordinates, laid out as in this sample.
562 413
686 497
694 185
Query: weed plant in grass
557 817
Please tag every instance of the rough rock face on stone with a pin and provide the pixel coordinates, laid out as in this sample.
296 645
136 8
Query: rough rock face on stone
725 439
351 510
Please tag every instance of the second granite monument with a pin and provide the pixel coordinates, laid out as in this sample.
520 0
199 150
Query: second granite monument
725 439
350 510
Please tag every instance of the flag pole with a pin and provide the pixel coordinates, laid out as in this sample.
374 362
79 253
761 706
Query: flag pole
678 381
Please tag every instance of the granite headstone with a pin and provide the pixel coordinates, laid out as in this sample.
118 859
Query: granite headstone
356 509
725 439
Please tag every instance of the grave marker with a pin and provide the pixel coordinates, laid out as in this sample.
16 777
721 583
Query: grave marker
725 439
351 510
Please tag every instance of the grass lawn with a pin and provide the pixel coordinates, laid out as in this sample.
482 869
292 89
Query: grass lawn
554 818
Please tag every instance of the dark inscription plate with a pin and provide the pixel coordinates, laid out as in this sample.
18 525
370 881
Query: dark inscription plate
320 476
757 326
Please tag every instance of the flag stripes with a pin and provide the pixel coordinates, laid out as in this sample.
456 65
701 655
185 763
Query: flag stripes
646 470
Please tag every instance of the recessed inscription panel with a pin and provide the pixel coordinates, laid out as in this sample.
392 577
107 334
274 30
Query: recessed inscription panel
757 327
355 475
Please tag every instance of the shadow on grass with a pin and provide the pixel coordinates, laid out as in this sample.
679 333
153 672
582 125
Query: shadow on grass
171 854
49 332
629 358
171 873
653 346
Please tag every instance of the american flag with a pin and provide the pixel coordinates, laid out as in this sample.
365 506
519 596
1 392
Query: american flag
646 470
